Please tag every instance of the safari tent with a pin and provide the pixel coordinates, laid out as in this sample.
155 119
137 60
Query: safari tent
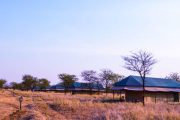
156 89
78 87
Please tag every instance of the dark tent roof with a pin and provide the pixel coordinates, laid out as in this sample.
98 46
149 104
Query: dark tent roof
57 86
136 81
78 85
81 85
36 88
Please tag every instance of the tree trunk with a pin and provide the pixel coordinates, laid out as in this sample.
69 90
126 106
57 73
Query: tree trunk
143 79
106 89
65 91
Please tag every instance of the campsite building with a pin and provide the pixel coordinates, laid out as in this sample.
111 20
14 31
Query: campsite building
80 87
77 87
156 89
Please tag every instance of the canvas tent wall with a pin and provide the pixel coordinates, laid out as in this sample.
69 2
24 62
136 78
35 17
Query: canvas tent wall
157 89
78 87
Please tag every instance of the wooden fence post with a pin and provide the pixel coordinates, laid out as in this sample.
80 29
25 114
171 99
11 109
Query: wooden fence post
20 102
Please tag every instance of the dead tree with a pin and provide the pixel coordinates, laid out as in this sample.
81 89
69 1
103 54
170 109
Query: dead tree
140 62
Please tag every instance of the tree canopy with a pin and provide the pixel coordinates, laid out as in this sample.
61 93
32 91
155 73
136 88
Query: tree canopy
2 82
90 76
174 76
67 80
43 83
29 82
108 77
15 85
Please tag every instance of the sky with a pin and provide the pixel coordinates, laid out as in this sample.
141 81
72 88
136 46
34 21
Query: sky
47 37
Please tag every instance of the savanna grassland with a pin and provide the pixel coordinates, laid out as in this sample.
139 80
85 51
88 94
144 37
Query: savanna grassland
57 106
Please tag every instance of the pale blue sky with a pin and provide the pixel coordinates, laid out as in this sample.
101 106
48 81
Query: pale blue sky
44 38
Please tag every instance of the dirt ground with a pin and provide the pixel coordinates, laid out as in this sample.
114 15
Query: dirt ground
57 106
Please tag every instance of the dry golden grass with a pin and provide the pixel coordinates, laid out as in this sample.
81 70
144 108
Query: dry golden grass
57 106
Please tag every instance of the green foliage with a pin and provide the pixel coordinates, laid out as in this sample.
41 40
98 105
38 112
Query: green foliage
15 85
29 82
2 83
43 83
67 80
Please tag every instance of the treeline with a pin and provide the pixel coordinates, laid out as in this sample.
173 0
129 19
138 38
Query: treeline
105 77
28 83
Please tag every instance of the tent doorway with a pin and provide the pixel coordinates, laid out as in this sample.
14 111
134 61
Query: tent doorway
176 97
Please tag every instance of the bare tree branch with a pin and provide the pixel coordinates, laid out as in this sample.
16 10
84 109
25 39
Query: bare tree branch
140 62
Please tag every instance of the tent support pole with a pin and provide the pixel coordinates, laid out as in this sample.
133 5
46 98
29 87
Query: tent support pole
120 95
113 94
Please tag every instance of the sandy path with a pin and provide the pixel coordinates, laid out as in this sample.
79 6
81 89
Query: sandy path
43 107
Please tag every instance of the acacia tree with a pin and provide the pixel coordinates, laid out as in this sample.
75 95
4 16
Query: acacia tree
2 83
90 76
116 77
97 81
13 85
140 62
43 83
108 77
174 76
67 80
29 82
